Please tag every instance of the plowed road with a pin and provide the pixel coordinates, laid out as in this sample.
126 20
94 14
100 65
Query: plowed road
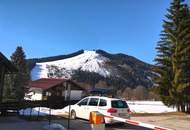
15 123
84 125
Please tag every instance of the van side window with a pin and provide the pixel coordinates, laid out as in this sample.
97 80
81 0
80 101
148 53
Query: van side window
119 104
103 102
93 102
84 102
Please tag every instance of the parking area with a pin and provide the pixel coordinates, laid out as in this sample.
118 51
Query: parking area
175 121
10 123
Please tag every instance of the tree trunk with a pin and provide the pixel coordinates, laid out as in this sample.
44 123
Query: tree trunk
178 108
188 108
183 108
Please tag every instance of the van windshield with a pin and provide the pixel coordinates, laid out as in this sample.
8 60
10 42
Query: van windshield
119 104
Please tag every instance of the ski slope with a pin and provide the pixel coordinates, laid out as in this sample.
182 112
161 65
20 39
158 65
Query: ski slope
87 61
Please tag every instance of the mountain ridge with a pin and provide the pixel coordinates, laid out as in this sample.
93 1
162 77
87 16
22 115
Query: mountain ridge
96 68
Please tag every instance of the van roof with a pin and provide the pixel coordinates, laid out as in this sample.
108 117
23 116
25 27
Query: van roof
103 97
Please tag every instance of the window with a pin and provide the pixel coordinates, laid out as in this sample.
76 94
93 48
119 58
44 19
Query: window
119 104
93 102
103 102
83 102
48 93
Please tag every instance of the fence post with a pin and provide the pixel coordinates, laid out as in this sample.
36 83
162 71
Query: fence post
49 116
30 113
38 114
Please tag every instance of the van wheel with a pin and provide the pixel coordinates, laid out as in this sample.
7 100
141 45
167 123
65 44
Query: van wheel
73 115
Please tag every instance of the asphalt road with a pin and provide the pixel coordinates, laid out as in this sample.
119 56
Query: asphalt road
84 125
15 123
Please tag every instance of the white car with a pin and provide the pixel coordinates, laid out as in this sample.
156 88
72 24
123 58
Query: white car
106 106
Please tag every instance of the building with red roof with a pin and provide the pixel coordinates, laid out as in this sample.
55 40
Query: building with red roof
45 88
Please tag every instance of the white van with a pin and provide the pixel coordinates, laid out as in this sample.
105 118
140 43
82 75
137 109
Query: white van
106 106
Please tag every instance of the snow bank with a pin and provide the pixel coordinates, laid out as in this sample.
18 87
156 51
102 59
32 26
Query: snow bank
149 107
135 107
42 111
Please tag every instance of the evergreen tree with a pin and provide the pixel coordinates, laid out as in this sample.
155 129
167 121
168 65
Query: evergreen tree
173 58
20 79
181 61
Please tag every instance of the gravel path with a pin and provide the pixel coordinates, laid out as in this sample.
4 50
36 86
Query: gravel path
176 122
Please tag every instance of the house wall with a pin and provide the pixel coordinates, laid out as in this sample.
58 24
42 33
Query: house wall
57 91
37 95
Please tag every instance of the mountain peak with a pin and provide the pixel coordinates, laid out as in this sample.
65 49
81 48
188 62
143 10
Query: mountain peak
88 61
94 66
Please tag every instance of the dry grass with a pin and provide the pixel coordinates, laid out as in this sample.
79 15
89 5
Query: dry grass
160 114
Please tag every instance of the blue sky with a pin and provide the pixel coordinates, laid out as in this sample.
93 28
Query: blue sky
52 27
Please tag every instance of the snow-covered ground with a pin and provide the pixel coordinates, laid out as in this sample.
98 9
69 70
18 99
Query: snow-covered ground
135 107
149 107
42 111
87 61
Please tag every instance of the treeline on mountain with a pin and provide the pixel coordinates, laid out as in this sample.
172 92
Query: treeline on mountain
93 78
138 93
133 71
122 88
173 58
124 59
31 62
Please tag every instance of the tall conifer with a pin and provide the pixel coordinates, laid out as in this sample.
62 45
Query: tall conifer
20 80
173 57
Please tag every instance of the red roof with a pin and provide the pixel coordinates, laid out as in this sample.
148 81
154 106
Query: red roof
46 83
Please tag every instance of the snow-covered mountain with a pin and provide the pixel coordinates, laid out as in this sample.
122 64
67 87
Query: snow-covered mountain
88 61
94 68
